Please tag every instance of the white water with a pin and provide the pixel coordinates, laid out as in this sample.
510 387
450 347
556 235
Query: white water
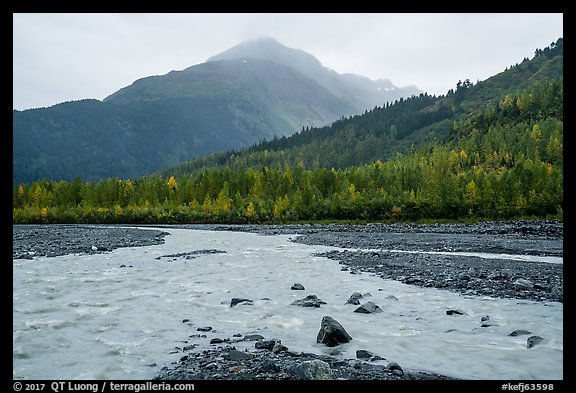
85 317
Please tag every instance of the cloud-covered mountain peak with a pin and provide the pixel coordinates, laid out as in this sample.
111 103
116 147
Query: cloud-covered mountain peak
360 91
269 49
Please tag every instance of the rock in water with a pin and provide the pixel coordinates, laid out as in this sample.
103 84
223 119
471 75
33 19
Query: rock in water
332 333
309 301
368 308
235 301
533 340
354 298
519 332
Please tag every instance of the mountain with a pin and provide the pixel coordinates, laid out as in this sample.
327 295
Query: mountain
361 92
490 151
384 132
251 93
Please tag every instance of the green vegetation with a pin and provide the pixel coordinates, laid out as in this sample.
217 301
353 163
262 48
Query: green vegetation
501 160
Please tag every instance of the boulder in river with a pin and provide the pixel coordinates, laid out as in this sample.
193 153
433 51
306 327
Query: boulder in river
309 301
332 333
354 298
368 308
519 332
454 312
235 301
533 340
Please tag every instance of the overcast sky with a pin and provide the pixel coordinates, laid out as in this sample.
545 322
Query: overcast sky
65 57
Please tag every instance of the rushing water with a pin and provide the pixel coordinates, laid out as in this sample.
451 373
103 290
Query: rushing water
88 317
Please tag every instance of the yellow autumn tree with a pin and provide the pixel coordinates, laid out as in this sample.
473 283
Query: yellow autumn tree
172 183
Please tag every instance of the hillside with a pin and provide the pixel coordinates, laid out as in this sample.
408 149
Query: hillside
161 121
380 133
469 155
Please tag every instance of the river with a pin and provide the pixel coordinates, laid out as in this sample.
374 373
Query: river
119 315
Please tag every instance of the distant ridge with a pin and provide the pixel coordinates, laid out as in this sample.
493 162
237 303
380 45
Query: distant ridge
362 92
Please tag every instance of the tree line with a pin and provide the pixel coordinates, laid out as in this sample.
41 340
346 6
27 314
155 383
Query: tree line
502 163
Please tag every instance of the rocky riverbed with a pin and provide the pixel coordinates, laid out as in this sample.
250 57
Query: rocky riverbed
369 249
29 241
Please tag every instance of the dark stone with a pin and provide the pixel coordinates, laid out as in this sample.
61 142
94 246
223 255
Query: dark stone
519 332
235 301
363 354
297 287
533 340
279 348
308 301
266 344
253 337
454 312
268 366
234 354
368 308
394 368
204 329
354 298
332 333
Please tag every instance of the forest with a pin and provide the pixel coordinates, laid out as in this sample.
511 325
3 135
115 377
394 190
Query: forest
504 161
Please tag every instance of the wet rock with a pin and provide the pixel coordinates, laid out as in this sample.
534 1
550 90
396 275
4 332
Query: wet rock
368 308
533 340
268 366
363 354
454 312
314 370
519 332
278 347
297 287
253 337
309 301
354 298
235 301
394 368
234 354
266 344
332 333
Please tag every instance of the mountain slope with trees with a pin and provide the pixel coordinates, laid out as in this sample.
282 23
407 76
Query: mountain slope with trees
379 134
161 121
492 156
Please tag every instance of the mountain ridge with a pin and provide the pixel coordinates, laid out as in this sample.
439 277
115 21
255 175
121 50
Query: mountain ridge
158 121
384 131
378 92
